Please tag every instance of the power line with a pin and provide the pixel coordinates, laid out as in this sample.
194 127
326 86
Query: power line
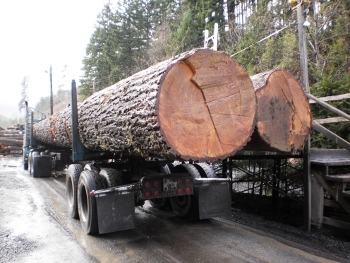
265 38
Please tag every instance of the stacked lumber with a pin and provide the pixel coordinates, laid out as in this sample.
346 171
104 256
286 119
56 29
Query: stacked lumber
199 105
283 118
11 141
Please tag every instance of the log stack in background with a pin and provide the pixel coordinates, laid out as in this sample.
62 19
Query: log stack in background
199 105
11 141
283 113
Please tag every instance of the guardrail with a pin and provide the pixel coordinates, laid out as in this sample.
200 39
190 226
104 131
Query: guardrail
317 124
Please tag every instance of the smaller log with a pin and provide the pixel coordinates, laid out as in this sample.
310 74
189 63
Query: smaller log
12 136
283 119
10 142
15 148
3 132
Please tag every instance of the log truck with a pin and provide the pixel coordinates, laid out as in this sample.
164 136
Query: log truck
148 137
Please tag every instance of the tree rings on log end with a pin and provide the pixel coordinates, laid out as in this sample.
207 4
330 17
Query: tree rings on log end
283 111
206 106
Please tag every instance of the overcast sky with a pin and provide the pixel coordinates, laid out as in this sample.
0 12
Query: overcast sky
36 34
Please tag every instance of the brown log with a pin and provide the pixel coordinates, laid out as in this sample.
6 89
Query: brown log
13 132
55 130
283 113
11 149
11 136
10 142
199 105
15 148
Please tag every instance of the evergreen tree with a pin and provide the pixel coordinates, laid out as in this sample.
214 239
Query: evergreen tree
24 93
118 47
101 57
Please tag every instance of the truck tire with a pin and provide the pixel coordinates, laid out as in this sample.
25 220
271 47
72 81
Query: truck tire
88 181
186 206
72 178
25 161
205 170
31 162
162 203
110 177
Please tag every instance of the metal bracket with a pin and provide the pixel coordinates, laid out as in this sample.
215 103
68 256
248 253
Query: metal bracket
213 38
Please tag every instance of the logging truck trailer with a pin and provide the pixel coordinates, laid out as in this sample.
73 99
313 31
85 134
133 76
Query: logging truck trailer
118 148
103 188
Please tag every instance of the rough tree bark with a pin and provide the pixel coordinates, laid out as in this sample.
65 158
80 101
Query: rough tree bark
283 113
199 105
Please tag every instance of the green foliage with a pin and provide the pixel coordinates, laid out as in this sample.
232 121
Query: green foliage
60 100
197 16
119 44
136 34
330 65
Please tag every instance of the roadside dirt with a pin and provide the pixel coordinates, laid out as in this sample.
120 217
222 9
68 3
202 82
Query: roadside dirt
27 233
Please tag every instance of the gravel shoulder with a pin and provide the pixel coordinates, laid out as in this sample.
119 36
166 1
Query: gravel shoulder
28 230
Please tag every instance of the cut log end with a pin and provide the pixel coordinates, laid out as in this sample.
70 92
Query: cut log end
206 106
283 112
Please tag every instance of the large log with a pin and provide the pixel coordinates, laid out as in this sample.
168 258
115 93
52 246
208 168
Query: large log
283 113
199 105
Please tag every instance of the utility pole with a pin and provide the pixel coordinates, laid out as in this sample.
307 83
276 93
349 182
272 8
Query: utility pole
302 24
51 94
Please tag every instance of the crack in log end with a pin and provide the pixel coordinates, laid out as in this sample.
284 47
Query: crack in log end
227 90
195 111
183 116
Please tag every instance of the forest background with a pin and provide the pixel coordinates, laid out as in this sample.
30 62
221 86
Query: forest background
131 35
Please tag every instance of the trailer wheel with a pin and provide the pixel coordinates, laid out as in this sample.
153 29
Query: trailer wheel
110 177
162 203
186 206
72 178
88 181
205 170
25 161
31 162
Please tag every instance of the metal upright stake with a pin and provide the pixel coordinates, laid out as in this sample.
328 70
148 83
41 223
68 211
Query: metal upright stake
78 149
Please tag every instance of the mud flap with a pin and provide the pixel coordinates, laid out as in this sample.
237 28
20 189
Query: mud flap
214 200
115 211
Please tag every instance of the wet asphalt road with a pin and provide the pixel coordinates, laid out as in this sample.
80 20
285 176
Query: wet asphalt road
35 227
